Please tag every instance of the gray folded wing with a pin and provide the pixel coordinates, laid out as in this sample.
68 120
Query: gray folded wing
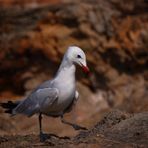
40 98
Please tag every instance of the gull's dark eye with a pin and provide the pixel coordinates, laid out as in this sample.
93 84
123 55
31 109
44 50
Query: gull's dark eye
78 56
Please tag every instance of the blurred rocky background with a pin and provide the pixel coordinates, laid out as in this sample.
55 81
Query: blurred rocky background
34 35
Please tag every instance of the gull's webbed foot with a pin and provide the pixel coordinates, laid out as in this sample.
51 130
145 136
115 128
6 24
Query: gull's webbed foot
77 127
43 137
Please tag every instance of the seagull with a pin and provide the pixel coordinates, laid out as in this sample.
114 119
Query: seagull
53 97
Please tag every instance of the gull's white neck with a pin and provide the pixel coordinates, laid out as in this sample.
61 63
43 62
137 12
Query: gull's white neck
66 71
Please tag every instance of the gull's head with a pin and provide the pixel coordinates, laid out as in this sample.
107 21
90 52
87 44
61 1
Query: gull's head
77 56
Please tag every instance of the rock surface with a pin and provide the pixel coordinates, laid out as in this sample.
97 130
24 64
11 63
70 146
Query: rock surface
116 129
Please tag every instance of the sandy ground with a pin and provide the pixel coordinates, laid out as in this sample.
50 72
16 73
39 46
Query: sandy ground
116 129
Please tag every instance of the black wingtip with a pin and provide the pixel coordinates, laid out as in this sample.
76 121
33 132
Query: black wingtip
8 106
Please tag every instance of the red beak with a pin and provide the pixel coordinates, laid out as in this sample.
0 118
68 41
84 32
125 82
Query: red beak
86 69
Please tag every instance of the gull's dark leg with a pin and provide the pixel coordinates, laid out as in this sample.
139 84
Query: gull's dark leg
43 137
75 126
40 122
